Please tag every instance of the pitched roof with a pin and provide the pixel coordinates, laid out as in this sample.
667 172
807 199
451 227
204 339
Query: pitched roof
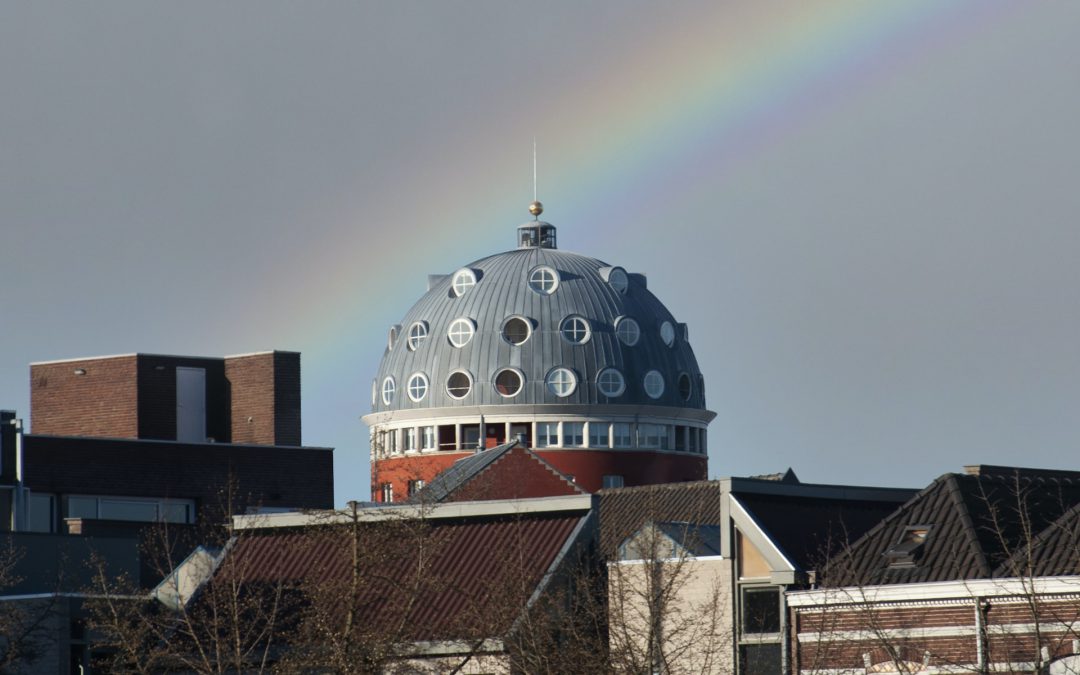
509 471
624 511
466 559
975 525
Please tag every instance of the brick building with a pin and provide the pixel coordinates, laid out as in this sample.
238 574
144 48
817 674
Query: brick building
147 437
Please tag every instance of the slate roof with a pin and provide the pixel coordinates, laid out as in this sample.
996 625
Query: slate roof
979 526
508 471
501 291
467 557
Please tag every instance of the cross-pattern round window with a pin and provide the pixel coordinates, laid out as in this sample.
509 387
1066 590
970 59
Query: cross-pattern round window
459 384
460 332
618 279
575 329
544 280
463 281
685 386
417 387
628 331
418 332
561 381
508 382
654 384
667 333
516 330
610 382
388 388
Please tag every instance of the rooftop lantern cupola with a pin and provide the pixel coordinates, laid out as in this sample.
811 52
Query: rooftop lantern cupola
536 234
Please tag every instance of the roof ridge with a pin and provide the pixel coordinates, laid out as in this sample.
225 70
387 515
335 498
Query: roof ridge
954 490
656 487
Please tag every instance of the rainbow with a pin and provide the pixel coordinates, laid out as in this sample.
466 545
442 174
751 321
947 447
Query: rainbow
704 97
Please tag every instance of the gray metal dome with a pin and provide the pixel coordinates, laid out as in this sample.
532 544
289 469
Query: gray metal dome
498 289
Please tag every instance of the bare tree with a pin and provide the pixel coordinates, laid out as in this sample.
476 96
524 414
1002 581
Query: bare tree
24 623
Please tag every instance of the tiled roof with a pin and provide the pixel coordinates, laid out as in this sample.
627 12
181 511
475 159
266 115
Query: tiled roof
624 511
978 523
469 556
509 471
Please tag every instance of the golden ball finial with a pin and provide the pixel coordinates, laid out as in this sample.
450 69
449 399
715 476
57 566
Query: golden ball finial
536 208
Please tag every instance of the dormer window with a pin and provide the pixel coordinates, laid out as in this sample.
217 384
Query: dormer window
908 549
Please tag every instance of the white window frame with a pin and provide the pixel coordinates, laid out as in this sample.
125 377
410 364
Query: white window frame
565 434
521 381
561 381
605 428
572 325
544 279
463 280
610 393
628 330
685 377
430 439
619 280
616 428
418 332
417 387
528 330
651 381
667 333
452 332
545 433
468 391
389 388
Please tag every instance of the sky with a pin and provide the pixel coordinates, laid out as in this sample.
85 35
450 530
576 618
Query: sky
864 211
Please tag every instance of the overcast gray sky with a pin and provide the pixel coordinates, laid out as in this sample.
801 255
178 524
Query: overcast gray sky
866 212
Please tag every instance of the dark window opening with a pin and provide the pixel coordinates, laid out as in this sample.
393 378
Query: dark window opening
523 432
447 437
763 659
761 610
470 436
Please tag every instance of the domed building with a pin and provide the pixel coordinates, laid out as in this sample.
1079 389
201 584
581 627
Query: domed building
569 355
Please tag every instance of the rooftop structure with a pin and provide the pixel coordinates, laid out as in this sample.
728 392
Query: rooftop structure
571 355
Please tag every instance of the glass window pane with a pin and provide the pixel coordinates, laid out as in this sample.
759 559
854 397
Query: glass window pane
172 512
761 610
547 434
763 659
115 509
620 432
82 507
39 515
573 434
598 434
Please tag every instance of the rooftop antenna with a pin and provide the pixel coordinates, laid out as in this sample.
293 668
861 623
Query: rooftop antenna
536 208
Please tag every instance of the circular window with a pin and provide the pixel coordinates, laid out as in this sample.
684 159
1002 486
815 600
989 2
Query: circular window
374 392
417 387
667 333
463 281
459 384
392 336
460 332
418 332
544 280
508 382
388 388
685 386
701 385
628 331
575 329
610 382
516 330
561 381
618 279
654 384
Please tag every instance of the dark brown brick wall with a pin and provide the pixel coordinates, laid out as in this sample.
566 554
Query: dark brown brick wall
264 398
263 475
103 402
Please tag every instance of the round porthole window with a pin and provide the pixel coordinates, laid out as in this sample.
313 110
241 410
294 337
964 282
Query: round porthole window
618 279
516 330
459 384
508 382
374 392
575 329
463 281
561 381
627 330
392 336
667 333
460 332
388 388
685 386
654 384
610 382
544 280
417 387
418 332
